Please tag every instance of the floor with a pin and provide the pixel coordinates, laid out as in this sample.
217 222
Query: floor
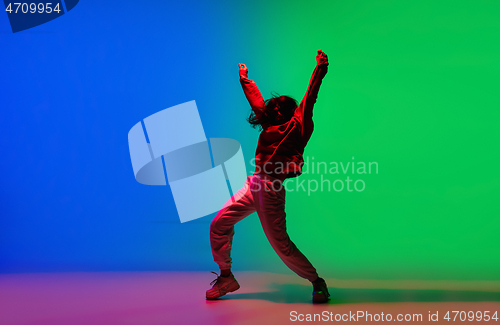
150 298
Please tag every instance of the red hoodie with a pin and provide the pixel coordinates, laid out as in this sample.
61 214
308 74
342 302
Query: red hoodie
280 147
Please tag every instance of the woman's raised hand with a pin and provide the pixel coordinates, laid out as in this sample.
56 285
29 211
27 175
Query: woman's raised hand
243 69
321 58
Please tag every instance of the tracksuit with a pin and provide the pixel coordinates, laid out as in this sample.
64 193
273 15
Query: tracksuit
279 155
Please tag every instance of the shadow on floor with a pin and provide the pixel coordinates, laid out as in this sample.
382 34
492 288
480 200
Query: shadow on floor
294 293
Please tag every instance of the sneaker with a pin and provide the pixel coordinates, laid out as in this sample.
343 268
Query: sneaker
320 291
221 286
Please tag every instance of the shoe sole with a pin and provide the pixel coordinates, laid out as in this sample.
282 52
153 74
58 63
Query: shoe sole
320 300
228 290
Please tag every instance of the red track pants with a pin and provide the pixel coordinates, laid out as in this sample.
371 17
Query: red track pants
266 196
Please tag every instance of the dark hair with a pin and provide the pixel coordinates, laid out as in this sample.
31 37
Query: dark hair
277 110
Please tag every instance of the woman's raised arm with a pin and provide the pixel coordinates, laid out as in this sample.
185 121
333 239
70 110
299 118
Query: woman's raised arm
305 110
251 90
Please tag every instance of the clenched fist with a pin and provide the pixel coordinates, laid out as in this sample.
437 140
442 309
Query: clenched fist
321 58
243 69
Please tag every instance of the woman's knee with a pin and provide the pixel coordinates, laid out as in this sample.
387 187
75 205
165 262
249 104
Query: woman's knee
218 225
215 224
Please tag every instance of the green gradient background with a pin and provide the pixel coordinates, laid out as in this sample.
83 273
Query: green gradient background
412 86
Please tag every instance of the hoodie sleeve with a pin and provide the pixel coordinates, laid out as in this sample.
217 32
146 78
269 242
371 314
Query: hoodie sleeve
304 112
252 94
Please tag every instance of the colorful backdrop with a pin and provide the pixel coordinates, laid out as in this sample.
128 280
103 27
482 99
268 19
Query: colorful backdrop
412 87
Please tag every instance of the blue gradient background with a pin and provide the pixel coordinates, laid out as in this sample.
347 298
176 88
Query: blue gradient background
72 88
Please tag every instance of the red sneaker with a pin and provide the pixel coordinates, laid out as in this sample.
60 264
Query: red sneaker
221 286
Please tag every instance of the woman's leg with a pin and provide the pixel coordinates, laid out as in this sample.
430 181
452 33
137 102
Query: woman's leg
222 227
270 205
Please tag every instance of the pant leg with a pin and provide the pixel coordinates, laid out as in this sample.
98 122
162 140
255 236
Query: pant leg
269 199
222 227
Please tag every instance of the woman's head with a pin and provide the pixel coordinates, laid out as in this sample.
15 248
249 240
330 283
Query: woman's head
277 110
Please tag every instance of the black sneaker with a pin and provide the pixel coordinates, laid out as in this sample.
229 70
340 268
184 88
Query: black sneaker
320 291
